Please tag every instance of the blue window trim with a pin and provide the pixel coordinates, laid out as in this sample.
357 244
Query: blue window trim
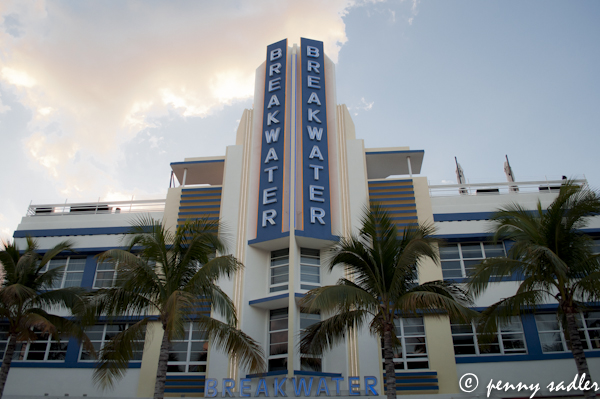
532 342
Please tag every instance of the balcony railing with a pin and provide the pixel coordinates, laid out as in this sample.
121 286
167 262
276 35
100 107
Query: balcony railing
97 208
526 187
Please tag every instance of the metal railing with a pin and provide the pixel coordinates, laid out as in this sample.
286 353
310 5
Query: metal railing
97 208
525 187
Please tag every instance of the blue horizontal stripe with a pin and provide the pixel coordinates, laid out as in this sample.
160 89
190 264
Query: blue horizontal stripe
199 206
386 187
404 217
202 189
397 205
205 212
71 232
200 200
522 358
172 383
396 152
416 373
269 298
269 374
185 377
186 219
174 390
418 388
461 217
316 373
416 380
193 162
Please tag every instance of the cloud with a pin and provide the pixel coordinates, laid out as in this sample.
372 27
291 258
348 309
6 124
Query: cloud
98 73
362 106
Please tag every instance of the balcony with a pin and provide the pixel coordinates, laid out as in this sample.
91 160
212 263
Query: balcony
481 189
96 208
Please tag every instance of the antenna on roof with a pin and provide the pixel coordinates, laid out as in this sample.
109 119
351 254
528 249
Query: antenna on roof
460 177
510 176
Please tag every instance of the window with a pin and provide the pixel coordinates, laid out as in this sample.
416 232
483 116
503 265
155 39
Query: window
310 263
552 337
100 334
413 351
509 339
189 354
106 274
458 260
44 348
3 339
278 339
280 269
71 274
309 363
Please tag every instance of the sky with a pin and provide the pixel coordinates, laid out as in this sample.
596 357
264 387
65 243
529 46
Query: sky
97 98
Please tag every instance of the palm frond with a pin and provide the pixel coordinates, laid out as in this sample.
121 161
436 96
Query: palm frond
341 297
235 342
326 334
114 357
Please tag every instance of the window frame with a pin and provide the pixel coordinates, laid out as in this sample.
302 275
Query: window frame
305 361
461 258
273 316
114 271
306 268
278 256
405 359
190 340
582 326
23 348
502 337
65 272
104 340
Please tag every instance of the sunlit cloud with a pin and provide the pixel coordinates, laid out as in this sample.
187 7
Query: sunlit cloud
96 75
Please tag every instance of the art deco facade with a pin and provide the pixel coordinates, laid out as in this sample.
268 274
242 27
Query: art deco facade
297 178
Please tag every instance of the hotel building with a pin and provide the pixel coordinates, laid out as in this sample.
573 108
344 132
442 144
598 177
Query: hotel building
295 180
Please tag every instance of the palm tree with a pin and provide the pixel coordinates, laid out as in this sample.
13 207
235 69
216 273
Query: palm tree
26 299
554 259
380 287
170 273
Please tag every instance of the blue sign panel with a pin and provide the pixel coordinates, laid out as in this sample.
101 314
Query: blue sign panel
272 163
315 158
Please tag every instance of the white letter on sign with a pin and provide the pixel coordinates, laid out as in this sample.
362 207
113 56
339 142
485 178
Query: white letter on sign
269 195
314 132
272 168
272 155
274 68
315 153
271 118
315 213
274 84
312 51
313 66
274 101
313 82
316 168
272 135
313 99
312 114
315 193
275 54
268 215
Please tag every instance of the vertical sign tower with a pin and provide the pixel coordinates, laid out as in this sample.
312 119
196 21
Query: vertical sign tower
316 203
271 187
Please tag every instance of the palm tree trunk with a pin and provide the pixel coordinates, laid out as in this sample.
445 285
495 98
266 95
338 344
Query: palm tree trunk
577 350
8 355
161 372
388 360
